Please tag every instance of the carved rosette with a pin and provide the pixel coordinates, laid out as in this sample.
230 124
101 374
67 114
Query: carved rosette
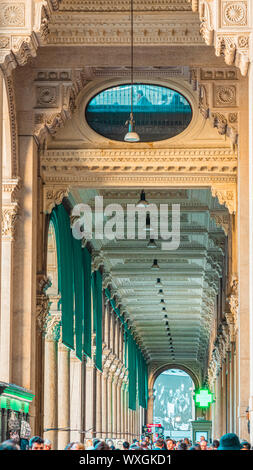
9 219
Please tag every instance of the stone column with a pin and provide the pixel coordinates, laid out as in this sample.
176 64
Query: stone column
151 398
251 242
51 380
23 354
114 406
122 435
119 409
228 361
244 237
90 413
109 404
9 217
218 407
104 405
63 395
99 404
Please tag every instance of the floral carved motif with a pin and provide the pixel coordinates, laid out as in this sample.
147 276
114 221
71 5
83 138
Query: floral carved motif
235 13
12 15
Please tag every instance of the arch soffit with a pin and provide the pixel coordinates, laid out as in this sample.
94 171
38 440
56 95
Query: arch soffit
155 374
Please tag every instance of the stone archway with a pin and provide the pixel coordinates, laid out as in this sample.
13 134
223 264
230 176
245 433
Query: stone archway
155 374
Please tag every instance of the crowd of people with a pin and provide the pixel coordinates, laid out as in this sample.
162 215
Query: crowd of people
229 441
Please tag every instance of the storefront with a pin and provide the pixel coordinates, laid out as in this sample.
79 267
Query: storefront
14 413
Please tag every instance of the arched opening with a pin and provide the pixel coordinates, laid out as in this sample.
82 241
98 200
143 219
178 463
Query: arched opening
173 407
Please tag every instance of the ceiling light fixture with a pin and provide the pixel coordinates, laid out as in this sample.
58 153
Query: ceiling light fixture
158 282
131 135
151 243
160 292
155 265
142 201
162 301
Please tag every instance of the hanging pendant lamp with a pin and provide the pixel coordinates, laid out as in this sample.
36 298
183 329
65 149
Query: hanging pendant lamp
131 135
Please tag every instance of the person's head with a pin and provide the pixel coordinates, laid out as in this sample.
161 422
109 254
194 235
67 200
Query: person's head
95 442
186 440
112 447
89 444
36 443
134 447
197 447
69 445
144 445
245 445
125 445
202 438
169 444
215 444
203 445
77 446
182 446
9 445
159 443
101 445
47 444
229 441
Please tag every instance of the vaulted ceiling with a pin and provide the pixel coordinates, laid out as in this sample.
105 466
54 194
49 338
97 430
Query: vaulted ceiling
190 275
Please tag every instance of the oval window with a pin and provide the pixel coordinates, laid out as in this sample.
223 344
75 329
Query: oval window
159 112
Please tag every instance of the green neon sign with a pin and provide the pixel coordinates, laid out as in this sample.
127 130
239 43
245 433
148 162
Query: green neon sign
203 398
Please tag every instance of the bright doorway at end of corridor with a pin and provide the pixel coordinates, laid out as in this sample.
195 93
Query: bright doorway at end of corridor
173 404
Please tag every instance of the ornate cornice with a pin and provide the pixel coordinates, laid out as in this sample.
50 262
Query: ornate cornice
227 26
24 25
46 120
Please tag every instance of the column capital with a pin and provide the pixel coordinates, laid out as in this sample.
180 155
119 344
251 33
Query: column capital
233 301
97 261
52 196
226 196
53 326
9 220
222 219
107 280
